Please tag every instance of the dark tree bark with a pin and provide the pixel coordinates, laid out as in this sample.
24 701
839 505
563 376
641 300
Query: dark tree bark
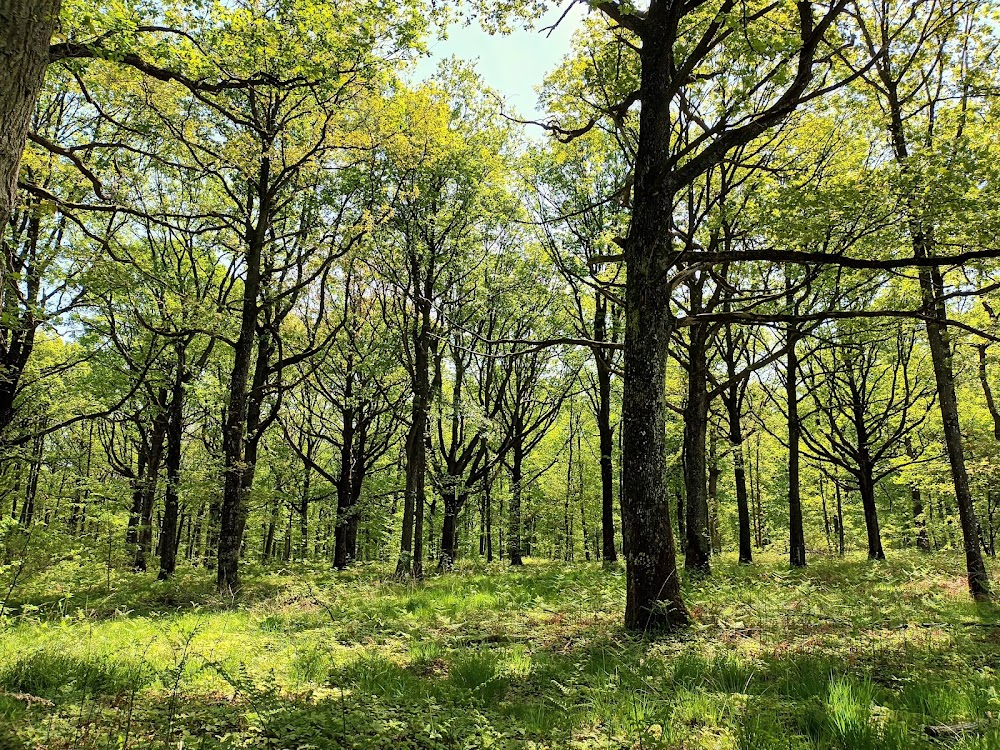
653 599
732 399
866 485
796 532
698 550
158 433
238 466
653 594
605 434
514 509
411 543
932 297
26 28
175 436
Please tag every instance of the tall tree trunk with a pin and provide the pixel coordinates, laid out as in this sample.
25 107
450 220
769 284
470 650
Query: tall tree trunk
488 505
731 399
345 480
31 490
175 436
605 434
145 533
454 499
303 553
514 510
232 513
713 495
135 512
411 543
26 28
936 323
698 550
653 595
796 532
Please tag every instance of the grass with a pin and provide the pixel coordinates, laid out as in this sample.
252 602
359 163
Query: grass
845 654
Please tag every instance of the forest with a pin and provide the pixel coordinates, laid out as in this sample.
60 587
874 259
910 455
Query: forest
342 407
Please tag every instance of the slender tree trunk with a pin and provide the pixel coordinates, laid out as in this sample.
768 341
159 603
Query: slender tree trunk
411 543
936 323
488 504
31 490
713 496
826 515
303 553
232 513
698 550
135 512
984 381
175 436
731 399
866 485
156 438
514 509
345 482
840 522
796 532
606 435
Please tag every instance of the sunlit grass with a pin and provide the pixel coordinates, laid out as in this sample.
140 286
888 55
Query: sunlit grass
844 654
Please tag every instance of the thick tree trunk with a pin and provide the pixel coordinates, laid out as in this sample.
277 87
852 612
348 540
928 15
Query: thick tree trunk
26 28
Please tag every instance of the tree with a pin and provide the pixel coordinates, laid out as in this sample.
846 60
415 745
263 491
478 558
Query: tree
677 42
911 46
867 399
446 185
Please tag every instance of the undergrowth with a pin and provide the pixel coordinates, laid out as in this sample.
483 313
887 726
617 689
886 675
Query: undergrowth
845 654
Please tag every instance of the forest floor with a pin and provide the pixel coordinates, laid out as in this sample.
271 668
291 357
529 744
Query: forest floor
844 654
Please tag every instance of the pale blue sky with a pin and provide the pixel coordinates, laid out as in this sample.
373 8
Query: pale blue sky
513 64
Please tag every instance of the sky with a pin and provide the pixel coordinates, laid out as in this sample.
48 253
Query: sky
513 64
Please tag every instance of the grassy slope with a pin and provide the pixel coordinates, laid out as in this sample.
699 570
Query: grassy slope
845 654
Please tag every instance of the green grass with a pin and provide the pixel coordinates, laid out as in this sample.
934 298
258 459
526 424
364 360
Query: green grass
845 654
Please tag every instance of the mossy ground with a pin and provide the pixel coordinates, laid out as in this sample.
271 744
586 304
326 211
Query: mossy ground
844 654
